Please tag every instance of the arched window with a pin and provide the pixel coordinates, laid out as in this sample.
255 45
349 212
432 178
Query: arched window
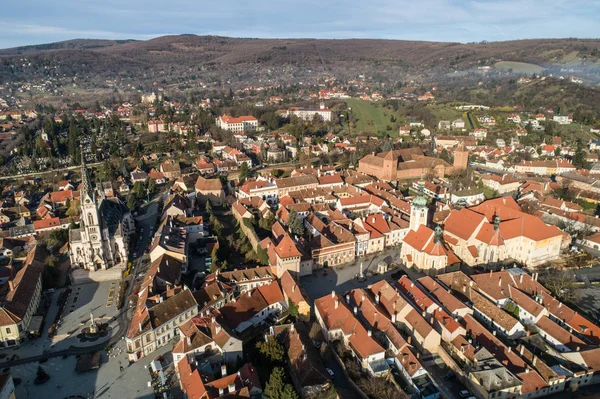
90 218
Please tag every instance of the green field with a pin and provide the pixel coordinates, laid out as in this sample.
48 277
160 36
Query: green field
447 113
371 118
519 67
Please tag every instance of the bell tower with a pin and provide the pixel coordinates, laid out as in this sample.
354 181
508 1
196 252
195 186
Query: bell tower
418 209
461 158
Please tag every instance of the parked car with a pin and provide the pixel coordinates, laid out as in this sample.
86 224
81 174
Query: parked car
464 393
330 372
449 376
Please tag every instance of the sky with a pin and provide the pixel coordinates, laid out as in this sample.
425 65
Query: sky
24 22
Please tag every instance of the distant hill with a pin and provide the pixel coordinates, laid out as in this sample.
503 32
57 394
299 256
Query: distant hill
224 58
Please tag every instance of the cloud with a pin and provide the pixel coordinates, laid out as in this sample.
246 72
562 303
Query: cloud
436 20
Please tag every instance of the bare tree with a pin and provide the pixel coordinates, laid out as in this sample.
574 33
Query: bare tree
561 284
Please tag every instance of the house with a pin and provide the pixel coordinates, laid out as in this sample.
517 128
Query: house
22 300
171 169
197 384
479 133
204 340
292 291
154 324
138 175
501 184
209 190
252 308
338 322
157 176
563 119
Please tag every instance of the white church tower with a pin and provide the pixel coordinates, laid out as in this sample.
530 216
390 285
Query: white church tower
91 236
418 209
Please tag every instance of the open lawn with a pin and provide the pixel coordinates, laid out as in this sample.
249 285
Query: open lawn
519 67
371 118
447 113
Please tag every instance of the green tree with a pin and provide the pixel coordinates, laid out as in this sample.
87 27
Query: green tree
293 308
209 208
271 350
277 388
244 170
295 223
131 201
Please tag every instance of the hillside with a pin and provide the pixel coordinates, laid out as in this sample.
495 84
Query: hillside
220 58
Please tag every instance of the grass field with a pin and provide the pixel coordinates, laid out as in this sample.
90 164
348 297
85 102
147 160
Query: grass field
519 67
371 117
447 113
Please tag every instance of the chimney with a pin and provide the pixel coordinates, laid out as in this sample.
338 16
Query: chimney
418 355
355 310
292 327
521 279
231 388
424 314
526 369
294 288
141 329
249 293
534 361
377 298
224 370
509 349
491 272
11 285
409 339
221 392
536 277
337 302
369 333
333 294
500 282
348 298
394 317
521 349
189 341
494 332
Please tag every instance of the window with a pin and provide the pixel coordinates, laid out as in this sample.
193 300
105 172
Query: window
7 330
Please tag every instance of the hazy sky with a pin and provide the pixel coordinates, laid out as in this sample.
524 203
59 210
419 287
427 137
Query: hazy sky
25 22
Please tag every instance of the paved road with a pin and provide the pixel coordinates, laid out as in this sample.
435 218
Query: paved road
341 383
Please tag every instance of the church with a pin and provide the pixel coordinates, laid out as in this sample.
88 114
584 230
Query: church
102 239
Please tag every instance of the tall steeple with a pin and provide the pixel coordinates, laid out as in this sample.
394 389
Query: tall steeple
87 192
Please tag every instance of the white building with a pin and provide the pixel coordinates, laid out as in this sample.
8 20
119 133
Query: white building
241 124
102 239
308 114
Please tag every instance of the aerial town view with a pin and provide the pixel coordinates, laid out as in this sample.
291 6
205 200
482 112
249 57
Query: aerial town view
304 200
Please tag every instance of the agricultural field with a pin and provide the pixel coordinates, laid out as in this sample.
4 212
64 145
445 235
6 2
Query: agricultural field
519 67
371 118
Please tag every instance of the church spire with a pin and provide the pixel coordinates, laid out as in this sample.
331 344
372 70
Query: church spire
86 187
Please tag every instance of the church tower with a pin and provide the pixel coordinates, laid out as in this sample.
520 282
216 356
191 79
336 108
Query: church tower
461 158
90 220
418 209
